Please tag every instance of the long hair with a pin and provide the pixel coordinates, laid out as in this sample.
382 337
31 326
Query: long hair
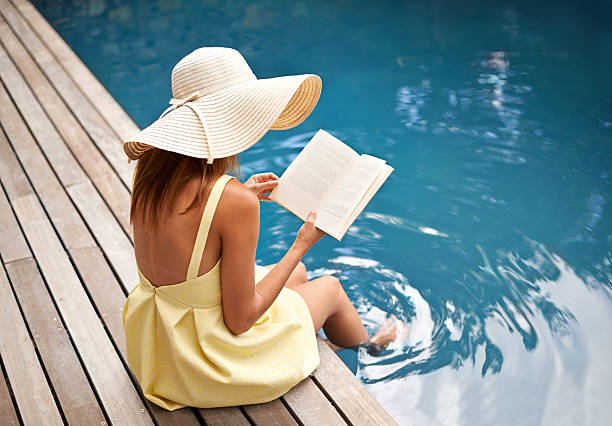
160 177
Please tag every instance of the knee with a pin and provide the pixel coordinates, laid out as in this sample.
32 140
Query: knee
300 271
334 284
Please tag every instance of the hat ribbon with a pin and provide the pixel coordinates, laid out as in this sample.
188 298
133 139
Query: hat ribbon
176 103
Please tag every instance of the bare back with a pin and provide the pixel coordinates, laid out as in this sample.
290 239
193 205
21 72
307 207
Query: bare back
163 257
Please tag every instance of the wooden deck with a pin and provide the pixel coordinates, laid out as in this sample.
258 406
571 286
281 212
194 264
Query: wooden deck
67 256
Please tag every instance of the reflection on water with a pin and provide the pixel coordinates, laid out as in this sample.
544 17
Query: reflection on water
492 238
557 375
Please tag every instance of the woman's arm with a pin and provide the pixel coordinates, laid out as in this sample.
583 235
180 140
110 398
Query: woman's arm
243 302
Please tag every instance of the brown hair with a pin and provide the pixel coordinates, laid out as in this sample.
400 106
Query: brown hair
160 177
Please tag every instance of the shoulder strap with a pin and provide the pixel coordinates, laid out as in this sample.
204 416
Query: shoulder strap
207 216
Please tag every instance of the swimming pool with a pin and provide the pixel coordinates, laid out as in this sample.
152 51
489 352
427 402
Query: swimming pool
494 234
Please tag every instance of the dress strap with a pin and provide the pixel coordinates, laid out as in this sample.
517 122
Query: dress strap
207 216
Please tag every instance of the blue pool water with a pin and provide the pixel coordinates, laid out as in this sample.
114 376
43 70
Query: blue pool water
493 237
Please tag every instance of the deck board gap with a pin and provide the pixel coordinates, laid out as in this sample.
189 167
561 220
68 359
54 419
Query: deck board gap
110 266
21 230
331 400
9 387
291 411
246 415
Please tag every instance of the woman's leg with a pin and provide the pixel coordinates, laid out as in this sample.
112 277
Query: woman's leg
331 309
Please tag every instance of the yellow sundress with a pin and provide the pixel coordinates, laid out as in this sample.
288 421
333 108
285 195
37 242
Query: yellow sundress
182 354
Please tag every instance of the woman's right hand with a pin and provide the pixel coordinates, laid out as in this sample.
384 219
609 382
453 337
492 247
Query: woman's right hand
308 234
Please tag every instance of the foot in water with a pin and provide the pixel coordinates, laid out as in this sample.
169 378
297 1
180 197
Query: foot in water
392 330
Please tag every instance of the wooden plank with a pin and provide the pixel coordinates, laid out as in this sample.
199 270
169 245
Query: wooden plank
70 384
270 413
17 184
104 291
12 243
8 415
113 113
65 218
32 393
350 396
99 357
115 243
310 406
223 416
86 153
99 131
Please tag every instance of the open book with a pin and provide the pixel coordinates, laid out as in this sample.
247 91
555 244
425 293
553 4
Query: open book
332 179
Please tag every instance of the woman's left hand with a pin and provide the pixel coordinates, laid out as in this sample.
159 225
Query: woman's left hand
262 184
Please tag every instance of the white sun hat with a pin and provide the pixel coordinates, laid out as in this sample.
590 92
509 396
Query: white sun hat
219 108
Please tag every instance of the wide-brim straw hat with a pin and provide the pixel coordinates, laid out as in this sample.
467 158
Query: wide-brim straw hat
219 108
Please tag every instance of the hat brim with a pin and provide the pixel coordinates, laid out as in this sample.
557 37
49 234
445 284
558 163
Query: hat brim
235 118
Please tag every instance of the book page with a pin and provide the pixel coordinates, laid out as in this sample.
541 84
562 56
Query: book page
344 198
313 174
373 189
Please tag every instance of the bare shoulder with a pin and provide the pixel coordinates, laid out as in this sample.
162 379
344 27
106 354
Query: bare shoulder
238 202
236 194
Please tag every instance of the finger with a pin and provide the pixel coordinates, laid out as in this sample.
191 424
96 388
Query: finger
266 186
268 179
311 217
266 176
264 197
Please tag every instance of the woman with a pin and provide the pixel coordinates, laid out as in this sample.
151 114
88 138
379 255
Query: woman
206 326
